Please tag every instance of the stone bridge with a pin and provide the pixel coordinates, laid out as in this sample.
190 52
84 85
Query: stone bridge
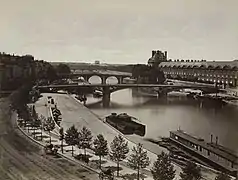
87 74
107 89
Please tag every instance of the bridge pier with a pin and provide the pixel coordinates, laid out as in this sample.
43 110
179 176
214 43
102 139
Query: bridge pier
162 93
86 78
106 97
104 80
120 80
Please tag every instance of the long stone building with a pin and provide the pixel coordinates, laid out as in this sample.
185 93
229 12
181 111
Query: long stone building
215 72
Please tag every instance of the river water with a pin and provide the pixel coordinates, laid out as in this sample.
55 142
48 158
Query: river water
163 115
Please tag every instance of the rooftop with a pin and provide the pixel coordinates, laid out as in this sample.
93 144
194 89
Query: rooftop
204 64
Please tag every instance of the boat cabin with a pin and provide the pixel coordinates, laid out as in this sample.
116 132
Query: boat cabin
212 152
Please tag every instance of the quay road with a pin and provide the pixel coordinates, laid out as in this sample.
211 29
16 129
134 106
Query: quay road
74 113
21 159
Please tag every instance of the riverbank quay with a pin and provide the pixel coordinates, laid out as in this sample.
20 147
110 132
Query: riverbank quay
75 113
23 159
43 109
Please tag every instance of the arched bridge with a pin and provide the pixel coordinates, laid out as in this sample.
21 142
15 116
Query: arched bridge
103 74
107 89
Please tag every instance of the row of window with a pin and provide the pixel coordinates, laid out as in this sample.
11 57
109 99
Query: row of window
198 74
220 72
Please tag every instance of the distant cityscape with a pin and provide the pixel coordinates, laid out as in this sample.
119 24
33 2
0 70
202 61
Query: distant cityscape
17 69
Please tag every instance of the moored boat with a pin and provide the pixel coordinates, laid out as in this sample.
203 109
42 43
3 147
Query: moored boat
126 124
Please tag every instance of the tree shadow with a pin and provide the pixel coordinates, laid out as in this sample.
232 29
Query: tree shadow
98 162
35 133
52 140
133 176
113 168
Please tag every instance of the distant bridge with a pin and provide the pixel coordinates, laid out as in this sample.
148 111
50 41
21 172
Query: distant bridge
107 89
87 74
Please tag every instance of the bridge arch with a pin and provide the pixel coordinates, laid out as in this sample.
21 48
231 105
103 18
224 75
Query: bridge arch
95 79
112 80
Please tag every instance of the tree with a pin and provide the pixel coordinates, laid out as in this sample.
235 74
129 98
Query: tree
85 139
138 159
71 137
191 172
50 73
100 147
35 123
148 74
49 125
63 69
222 176
162 168
42 119
119 150
61 132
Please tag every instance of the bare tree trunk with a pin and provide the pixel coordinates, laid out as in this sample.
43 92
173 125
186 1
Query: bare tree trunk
72 150
41 134
85 152
117 168
100 162
50 137
62 149
138 173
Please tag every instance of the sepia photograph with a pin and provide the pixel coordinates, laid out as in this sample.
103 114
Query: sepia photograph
119 90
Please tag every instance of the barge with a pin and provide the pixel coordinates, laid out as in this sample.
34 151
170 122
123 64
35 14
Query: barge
126 124
213 154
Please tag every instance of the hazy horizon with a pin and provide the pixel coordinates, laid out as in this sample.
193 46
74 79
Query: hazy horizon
120 32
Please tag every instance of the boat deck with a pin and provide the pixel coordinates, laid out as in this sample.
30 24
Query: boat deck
217 155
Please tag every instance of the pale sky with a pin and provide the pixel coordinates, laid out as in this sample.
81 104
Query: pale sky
119 31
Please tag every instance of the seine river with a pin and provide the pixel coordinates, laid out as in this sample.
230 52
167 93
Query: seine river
171 113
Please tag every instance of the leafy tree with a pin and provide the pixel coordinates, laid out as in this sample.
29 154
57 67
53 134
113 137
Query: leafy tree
191 172
85 139
49 125
162 168
42 119
35 123
50 73
63 69
71 137
138 159
61 132
119 150
222 176
148 74
100 147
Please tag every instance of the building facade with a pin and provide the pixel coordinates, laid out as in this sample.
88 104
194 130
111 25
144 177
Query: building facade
157 57
213 72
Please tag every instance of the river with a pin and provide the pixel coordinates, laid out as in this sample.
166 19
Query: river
166 114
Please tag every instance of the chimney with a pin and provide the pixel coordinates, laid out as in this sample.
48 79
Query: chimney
211 138
165 55
153 53
216 140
